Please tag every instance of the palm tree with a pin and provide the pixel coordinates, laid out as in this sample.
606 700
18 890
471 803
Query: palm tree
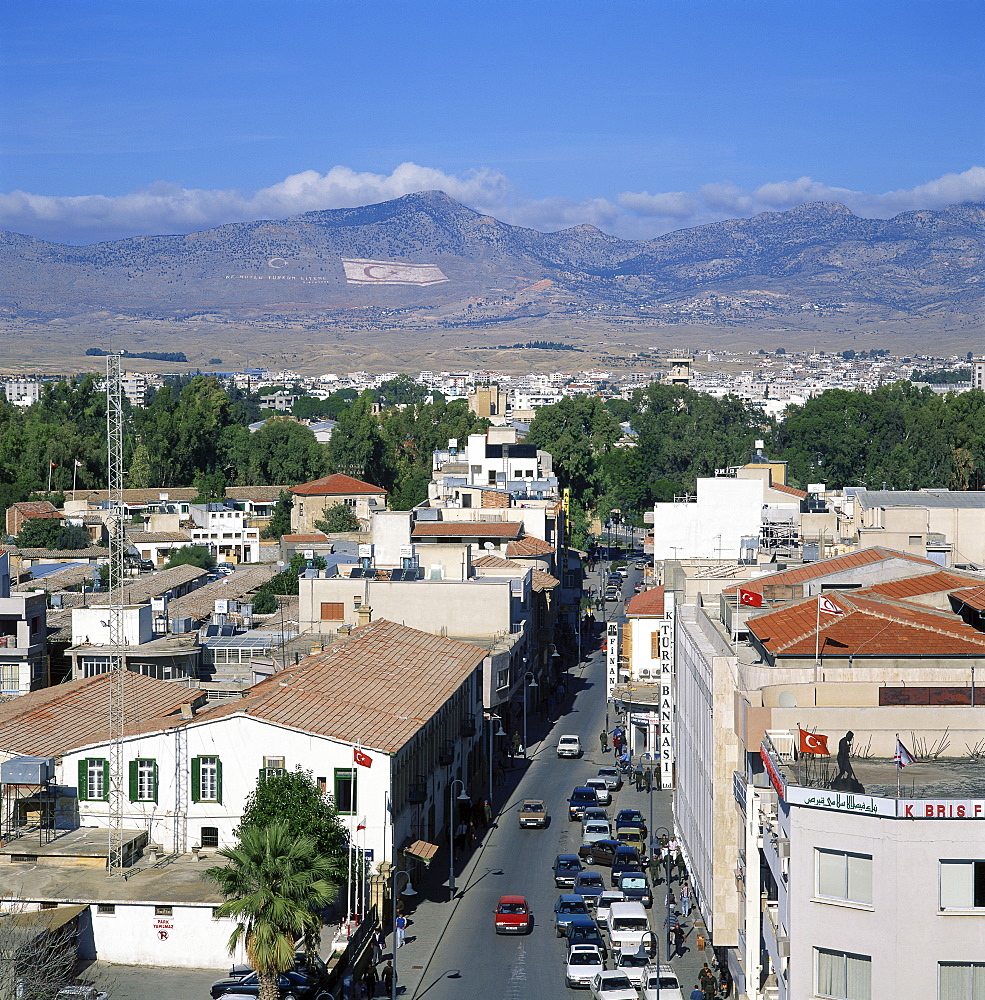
275 884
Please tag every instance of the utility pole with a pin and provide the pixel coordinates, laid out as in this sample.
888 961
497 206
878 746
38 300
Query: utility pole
117 634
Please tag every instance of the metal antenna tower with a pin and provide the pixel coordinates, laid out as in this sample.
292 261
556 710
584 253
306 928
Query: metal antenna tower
117 636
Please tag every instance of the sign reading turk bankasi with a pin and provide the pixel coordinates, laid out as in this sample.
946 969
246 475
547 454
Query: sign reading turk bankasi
611 658
666 647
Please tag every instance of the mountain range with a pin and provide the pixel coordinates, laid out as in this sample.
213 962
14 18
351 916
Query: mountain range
424 260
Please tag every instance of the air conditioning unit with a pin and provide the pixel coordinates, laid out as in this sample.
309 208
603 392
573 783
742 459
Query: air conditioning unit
782 847
783 946
646 672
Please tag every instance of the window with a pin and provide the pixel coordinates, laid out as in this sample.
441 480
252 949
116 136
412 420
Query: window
915 539
322 784
94 779
92 665
345 790
961 981
844 876
332 611
162 911
9 678
49 906
143 780
108 909
206 779
962 885
210 836
843 975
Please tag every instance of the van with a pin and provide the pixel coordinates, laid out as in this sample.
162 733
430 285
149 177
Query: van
628 926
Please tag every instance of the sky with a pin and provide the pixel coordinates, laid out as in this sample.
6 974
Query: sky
165 116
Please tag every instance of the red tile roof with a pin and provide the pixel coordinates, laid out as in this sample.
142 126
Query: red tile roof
494 562
37 508
315 537
914 586
336 485
836 564
646 604
529 546
467 529
57 720
792 490
544 581
971 597
869 627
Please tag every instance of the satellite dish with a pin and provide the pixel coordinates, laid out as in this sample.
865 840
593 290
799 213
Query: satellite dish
787 699
488 545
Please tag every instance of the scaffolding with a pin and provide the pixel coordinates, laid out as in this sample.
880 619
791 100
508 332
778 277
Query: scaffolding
116 524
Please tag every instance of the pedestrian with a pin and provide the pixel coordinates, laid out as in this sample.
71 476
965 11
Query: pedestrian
401 926
685 900
647 780
461 837
697 993
711 988
638 777
379 943
679 939
370 979
704 974
603 741
515 744
388 977
680 866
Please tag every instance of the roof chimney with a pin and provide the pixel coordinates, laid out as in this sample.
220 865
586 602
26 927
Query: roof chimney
188 710
365 613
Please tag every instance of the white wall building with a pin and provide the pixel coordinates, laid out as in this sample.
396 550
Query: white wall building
225 531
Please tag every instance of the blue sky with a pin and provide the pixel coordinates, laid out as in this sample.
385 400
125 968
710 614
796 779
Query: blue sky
122 118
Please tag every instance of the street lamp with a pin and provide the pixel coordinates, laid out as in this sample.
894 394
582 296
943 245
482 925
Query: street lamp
463 796
668 928
529 682
502 732
408 890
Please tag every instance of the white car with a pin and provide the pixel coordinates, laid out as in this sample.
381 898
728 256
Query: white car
83 992
569 746
661 984
603 903
633 964
595 812
595 829
602 787
584 963
613 986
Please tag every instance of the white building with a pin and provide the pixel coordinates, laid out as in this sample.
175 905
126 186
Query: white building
225 531
23 636
21 391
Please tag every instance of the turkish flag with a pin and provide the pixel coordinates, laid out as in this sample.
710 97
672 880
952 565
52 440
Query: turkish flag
750 598
362 759
813 742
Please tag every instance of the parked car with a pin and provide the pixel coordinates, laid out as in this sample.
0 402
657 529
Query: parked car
584 930
585 961
568 906
633 964
661 983
602 904
613 985
595 812
533 813
612 777
631 835
627 816
566 867
582 797
602 788
595 829
601 852
589 885
635 887
626 860
513 916
613 593
629 928
289 984
569 746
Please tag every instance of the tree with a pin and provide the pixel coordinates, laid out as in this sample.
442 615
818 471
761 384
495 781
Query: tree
339 517
401 390
295 798
356 446
280 518
275 884
191 555
50 533
37 956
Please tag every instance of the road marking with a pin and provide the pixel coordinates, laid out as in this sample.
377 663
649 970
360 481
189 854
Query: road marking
516 988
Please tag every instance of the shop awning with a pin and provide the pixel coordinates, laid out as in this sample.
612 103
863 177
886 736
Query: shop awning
421 850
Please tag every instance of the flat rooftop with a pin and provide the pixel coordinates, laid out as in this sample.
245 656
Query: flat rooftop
944 778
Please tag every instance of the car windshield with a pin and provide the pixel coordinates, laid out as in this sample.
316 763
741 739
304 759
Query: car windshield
584 958
512 908
634 961
590 880
668 983
617 983
634 883
572 907
569 865
630 924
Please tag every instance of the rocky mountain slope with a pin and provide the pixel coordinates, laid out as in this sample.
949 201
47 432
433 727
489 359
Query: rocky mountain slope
425 260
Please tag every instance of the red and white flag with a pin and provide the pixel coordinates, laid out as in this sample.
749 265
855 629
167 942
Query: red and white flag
828 607
390 272
361 825
903 756
362 759
54 465
812 742
78 464
750 598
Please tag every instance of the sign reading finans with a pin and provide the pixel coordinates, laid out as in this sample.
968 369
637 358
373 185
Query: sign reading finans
389 272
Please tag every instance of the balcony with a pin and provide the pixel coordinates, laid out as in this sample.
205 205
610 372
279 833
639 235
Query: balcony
446 755
467 729
417 792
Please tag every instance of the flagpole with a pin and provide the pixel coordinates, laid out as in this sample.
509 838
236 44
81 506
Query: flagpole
817 642
75 472
49 475
898 768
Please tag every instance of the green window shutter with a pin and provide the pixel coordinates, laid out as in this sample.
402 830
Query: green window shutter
133 780
218 780
105 781
196 779
83 780
155 782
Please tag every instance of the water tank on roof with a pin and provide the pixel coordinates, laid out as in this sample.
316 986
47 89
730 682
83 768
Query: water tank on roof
181 625
27 770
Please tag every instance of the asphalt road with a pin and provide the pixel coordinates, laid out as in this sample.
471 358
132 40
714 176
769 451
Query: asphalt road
470 960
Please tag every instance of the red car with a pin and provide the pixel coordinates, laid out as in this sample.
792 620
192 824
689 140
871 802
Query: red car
513 916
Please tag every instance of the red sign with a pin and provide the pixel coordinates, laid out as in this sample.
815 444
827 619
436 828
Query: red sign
776 779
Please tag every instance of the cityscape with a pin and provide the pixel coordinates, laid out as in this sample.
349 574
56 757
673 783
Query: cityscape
494 501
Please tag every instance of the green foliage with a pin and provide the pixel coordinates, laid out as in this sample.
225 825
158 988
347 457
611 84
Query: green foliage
942 376
399 391
50 533
275 885
191 555
356 447
285 582
339 517
280 517
211 487
264 603
294 798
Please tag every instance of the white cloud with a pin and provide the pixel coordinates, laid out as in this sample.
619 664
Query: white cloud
167 208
